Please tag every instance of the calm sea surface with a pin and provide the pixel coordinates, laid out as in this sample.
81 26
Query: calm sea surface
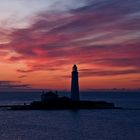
72 124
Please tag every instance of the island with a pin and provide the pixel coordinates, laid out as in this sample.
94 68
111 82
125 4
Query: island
51 100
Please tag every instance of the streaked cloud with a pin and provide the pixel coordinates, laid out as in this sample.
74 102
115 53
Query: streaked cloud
100 34
98 72
13 86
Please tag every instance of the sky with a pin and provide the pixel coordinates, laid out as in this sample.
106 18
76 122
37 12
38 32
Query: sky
40 40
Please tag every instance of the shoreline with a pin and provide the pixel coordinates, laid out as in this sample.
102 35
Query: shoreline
62 105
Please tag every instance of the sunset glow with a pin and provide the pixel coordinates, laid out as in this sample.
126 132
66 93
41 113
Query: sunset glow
41 40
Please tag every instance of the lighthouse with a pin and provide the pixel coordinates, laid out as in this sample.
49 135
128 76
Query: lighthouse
74 84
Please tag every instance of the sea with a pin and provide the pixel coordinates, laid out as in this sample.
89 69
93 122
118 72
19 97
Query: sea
96 124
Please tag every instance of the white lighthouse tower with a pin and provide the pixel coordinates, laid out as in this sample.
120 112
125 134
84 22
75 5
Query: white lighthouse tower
74 84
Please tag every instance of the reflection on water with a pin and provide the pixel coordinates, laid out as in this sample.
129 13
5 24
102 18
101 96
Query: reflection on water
70 125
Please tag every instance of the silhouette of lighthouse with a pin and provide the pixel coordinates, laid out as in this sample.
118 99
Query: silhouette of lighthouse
74 84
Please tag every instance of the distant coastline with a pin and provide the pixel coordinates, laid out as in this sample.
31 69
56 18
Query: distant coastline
81 91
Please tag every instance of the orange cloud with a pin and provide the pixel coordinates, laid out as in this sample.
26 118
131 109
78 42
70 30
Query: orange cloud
103 41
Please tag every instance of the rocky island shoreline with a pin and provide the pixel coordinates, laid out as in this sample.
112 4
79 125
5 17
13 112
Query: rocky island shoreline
51 101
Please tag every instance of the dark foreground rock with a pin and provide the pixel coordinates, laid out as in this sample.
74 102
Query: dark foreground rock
58 105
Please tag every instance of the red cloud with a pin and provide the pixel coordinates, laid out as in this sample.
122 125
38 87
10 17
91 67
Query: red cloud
85 35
